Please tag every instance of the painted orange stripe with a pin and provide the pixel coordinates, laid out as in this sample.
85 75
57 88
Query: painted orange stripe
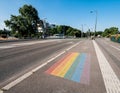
56 64
68 64
57 69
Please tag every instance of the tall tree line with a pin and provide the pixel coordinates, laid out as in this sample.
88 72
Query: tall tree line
65 30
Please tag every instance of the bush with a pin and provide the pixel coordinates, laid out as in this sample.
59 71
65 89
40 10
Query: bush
115 38
118 39
112 38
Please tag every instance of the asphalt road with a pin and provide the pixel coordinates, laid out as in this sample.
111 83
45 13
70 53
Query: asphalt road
111 49
17 58
97 71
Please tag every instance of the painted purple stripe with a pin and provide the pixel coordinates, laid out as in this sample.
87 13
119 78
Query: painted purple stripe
85 78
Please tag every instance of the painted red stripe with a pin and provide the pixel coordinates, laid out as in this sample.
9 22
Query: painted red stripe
57 64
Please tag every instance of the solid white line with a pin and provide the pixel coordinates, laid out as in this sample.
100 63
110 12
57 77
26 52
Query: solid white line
36 69
15 82
1 91
10 85
111 81
115 47
73 46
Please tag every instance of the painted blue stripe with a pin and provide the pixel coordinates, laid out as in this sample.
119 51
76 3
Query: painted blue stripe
72 69
78 72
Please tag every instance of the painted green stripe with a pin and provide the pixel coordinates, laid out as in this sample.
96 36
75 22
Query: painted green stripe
72 69
78 72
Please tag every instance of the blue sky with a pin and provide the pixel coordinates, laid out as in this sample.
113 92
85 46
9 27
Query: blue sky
68 12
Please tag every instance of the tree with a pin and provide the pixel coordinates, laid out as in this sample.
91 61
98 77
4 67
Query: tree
110 31
53 31
24 24
99 33
30 14
4 33
78 33
65 30
69 31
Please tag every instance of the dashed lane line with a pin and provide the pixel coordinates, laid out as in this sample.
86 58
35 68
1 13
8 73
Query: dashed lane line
111 81
115 47
20 79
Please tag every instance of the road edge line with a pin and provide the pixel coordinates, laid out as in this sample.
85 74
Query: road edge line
26 75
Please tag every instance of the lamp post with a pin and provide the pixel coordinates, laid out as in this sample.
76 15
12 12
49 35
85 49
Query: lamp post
95 20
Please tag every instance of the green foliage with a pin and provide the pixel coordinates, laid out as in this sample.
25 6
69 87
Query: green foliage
115 38
4 33
0 32
24 24
110 31
53 31
66 30
99 33
118 39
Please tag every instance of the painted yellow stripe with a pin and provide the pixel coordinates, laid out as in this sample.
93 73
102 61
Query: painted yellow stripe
58 68
68 64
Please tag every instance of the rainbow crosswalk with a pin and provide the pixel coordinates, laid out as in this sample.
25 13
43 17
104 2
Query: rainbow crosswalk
74 66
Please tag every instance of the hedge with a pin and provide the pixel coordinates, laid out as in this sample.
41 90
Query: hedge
115 38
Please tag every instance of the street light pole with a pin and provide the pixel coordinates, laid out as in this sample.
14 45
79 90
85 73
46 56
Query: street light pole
95 21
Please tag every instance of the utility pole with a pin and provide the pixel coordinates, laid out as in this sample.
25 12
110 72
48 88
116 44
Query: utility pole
44 23
82 31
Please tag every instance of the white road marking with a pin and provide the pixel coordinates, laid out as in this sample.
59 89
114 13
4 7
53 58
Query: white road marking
111 81
37 68
1 91
4 47
70 43
10 85
73 46
15 82
112 46
115 47
25 44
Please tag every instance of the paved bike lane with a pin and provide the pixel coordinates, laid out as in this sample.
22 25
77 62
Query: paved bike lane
76 71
